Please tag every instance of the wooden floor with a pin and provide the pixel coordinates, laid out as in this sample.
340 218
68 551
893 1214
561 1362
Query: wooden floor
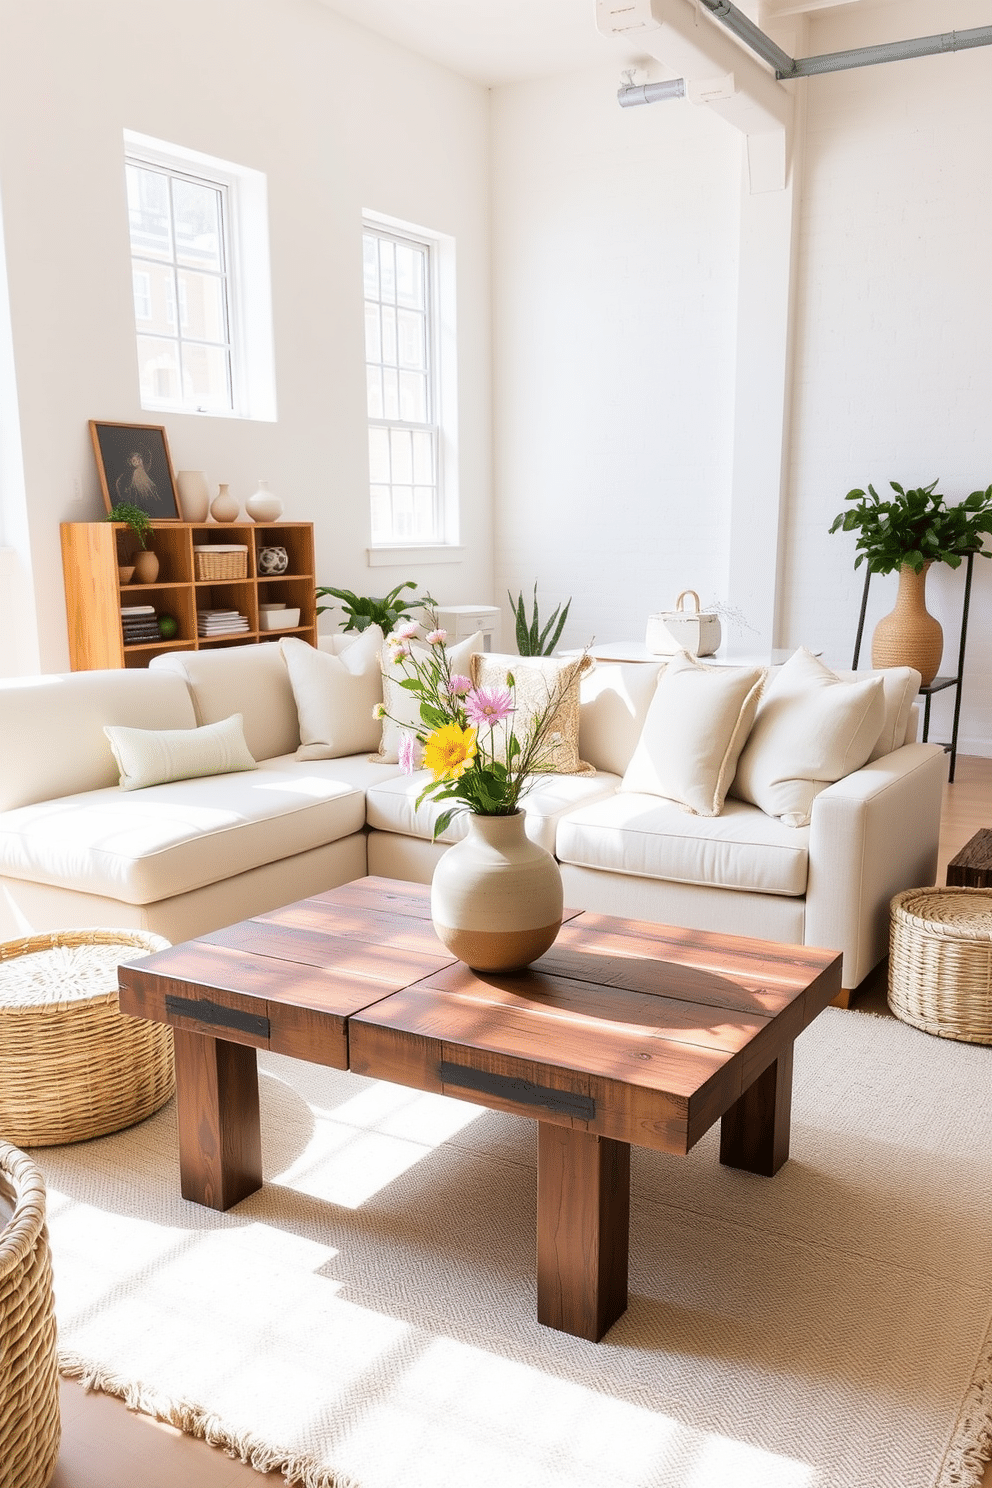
106 1446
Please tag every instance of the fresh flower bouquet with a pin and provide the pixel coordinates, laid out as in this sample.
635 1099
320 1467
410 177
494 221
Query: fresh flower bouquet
485 768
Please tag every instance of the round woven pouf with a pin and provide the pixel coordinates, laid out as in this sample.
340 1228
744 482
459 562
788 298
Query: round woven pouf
72 1066
30 1428
940 962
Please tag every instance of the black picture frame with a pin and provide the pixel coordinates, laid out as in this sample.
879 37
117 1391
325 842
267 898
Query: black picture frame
135 467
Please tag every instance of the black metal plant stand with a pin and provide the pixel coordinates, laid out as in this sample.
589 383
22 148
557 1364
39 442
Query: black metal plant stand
939 684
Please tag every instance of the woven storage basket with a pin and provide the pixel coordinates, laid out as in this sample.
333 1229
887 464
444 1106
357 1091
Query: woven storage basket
72 1066
940 962
221 565
30 1428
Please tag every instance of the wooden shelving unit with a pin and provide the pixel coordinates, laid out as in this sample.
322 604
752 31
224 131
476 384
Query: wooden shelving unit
92 552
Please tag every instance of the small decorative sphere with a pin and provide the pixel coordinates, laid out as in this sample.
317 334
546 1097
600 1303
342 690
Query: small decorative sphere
272 560
168 627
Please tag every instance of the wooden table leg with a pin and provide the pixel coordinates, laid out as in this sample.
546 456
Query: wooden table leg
220 1148
583 1226
754 1132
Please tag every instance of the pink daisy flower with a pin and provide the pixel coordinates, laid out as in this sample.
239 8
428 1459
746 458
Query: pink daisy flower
398 650
407 753
436 637
404 632
488 705
458 685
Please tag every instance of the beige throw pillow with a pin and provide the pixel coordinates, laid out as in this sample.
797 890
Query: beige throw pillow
154 756
401 704
693 733
335 695
537 680
812 728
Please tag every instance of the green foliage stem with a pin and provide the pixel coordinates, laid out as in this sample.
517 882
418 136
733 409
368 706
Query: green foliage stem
531 639
915 527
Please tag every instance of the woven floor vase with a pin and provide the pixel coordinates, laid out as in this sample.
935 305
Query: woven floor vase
30 1426
909 635
496 897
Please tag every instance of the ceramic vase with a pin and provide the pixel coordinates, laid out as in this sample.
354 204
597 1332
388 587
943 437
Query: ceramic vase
145 566
496 896
225 507
262 505
909 635
194 495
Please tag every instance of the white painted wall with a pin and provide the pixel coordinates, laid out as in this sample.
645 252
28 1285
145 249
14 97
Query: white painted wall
893 372
615 260
339 120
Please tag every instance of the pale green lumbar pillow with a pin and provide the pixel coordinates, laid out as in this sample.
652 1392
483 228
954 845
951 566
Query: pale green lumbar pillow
812 728
156 756
693 733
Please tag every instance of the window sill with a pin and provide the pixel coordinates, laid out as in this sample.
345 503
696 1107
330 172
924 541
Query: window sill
415 552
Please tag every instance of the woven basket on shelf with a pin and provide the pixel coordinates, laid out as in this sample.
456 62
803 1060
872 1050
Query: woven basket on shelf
30 1427
72 1066
940 962
221 564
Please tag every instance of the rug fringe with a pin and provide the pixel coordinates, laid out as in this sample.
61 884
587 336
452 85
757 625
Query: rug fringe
193 1420
970 1450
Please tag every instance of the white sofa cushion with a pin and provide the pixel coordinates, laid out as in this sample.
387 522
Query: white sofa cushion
169 839
335 694
391 806
900 689
250 680
812 728
647 837
400 703
153 756
51 728
695 728
613 704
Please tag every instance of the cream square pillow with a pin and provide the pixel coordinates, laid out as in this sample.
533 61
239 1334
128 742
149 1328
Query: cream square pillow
812 728
401 704
694 731
335 694
538 679
155 756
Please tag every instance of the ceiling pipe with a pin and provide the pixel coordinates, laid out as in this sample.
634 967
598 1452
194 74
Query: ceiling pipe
632 94
786 67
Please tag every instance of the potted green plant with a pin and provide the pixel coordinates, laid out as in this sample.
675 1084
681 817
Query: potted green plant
145 565
386 611
906 533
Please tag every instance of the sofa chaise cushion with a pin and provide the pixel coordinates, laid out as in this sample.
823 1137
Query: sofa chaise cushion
648 837
143 846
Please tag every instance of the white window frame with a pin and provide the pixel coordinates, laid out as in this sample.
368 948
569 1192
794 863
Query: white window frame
441 334
249 291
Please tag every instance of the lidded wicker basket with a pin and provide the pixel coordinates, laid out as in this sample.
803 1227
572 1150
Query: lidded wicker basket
30 1426
940 962
215 561
72 1066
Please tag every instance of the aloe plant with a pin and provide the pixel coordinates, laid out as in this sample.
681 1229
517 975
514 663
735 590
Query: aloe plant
531 639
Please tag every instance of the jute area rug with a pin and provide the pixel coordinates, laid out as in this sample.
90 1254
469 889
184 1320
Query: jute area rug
368 1318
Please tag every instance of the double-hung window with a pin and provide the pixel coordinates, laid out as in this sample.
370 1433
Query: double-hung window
401 340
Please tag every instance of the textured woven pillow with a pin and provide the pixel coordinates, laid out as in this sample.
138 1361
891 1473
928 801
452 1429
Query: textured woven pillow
812 728
401 704
537 679
335 695
155 756
693 734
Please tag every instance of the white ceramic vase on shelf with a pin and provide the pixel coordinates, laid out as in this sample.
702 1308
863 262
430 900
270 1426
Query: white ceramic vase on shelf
225 507
262 505
496 896
194 495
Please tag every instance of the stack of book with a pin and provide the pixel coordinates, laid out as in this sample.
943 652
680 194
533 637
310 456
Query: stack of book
220 622
139 624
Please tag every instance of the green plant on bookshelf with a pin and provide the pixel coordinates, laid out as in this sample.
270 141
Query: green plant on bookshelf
531 639
133 517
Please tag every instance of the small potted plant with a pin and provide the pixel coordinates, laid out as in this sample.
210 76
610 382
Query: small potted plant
145 566
907 532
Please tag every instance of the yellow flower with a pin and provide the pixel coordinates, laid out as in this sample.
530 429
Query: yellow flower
449 751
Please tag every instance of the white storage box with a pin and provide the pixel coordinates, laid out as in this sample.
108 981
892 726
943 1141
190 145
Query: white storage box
461 621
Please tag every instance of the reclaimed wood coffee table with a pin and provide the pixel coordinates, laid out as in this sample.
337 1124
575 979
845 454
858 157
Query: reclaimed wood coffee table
621 1033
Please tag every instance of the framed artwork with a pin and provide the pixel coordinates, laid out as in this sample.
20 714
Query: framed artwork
135 467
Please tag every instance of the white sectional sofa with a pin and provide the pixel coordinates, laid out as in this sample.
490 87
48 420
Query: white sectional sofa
192 855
